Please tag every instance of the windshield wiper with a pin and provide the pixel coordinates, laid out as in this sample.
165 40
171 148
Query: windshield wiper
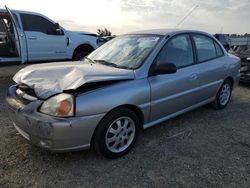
89 59
104 62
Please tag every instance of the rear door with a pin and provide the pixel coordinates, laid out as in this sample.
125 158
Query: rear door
44 43
174 93
211 64
19 36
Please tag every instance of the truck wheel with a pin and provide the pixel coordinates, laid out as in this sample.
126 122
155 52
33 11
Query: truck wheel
117 133
223 96
79 56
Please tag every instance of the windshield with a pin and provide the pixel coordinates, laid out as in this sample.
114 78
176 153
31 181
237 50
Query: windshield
126 52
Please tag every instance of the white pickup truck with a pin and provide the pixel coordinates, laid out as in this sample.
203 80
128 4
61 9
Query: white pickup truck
28 36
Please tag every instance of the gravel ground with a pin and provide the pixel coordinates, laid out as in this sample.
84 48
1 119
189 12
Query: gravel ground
202 148
9 71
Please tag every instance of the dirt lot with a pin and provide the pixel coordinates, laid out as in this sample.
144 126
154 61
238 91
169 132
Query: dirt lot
203 148
7 71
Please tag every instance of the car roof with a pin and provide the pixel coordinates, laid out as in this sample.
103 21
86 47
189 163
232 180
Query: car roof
19 11
164 32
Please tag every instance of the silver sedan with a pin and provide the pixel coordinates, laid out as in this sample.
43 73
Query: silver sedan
133 82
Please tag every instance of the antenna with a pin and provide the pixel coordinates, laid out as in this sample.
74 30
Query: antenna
185 17
221 30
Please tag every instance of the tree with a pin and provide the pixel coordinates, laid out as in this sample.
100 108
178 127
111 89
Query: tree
103 32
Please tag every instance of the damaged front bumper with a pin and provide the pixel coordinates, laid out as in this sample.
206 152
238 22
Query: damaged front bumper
52 133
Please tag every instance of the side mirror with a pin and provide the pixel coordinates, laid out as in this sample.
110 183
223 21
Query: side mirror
59 31
165 68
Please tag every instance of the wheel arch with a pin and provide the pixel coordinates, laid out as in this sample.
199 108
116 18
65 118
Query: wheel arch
134 108
83 47
230 78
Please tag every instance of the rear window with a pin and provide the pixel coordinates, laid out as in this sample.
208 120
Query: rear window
205 48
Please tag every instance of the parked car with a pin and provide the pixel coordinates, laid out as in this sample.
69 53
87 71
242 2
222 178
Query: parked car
28 36
132 82
245 70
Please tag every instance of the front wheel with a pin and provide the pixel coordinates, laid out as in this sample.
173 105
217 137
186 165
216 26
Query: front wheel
117 133
80 56
223 96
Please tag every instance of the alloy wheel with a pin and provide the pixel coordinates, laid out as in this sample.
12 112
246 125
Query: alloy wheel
225 94
120 134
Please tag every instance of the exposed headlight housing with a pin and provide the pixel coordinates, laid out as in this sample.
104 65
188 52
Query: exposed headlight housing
61 105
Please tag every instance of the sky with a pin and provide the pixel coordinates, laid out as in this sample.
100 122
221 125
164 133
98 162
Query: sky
122 16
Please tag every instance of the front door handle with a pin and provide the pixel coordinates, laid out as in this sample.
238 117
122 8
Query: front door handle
32 38
193 76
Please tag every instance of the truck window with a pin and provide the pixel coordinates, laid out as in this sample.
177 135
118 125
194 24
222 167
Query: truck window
2 26
38 23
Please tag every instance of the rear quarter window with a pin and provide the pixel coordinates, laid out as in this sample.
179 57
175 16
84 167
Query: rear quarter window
219 51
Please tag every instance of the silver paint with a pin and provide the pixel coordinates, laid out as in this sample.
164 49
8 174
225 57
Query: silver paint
158 98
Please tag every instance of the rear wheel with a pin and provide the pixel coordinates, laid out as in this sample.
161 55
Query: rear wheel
224 95
117 133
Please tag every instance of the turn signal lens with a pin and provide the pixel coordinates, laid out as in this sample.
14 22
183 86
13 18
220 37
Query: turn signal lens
64 108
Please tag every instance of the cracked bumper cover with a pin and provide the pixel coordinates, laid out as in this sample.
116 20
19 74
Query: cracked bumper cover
52 133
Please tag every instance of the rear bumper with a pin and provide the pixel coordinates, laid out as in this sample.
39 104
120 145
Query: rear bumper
52 133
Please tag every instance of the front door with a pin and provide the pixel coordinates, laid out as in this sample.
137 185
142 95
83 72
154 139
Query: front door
173 93
44 43
19 36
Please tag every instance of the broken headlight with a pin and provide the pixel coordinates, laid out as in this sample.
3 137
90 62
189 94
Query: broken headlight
61 105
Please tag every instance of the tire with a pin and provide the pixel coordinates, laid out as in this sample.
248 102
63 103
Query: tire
79 56
117 133
221 100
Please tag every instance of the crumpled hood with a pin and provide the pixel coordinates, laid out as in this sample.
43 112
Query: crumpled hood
52 78
82 33
85 33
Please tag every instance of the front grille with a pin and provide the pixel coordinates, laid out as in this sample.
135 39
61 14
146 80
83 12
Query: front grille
27 90
25 93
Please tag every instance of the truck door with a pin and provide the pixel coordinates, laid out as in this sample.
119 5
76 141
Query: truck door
44 41
19 36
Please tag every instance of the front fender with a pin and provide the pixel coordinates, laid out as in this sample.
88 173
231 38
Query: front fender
79 39
99 101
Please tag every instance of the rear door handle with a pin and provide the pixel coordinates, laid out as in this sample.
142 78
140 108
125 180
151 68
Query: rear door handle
32 38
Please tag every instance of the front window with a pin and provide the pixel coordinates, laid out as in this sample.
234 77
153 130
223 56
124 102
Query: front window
178 51
38 24
128 52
